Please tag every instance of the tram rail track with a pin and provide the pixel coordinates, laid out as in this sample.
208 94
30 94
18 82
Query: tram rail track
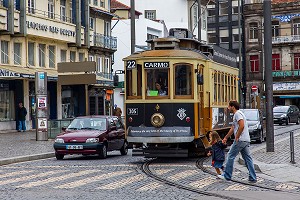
145 168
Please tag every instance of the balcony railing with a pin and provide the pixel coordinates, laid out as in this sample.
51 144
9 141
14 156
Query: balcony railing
50 15
105 75
286 73
107 42
286 39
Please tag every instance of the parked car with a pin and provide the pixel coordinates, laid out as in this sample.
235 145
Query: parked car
255 124
286 114
91 135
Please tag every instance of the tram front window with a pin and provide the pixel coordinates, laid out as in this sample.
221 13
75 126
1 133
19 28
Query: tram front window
157 82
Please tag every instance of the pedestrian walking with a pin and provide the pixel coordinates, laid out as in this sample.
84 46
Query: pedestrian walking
21 113
217 151
241 143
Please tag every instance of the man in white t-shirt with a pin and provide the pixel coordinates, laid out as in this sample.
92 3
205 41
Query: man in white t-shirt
241 143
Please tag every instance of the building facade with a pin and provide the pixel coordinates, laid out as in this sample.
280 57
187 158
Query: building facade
285 52
36 36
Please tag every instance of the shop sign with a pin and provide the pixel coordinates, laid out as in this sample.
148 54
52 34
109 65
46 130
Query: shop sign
42 102
7 73
52 29
286 86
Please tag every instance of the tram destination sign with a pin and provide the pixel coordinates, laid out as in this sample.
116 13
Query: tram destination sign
156 65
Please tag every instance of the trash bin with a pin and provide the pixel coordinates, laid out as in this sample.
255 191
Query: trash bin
42 136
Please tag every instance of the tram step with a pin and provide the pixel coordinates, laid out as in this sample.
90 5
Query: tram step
153 153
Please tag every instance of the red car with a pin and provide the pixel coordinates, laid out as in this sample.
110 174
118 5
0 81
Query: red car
91 135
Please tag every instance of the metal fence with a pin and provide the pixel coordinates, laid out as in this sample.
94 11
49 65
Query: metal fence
55 126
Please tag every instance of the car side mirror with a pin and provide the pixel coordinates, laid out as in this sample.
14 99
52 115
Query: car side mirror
64 129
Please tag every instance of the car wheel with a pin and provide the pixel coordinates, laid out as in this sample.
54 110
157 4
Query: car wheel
261 137
103 152
287 121
297 121
59 156
124 149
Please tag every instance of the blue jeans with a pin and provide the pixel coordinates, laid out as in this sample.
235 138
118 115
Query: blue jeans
22 126
244 148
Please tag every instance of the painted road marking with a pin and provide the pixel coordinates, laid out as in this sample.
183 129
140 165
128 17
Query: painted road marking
183 174
14 174
203 182
122 182
237 187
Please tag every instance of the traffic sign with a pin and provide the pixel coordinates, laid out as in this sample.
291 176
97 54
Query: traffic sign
254 88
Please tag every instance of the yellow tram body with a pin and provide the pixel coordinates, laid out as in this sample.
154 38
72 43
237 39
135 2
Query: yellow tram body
195 97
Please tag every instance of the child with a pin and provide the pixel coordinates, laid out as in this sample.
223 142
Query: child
217 152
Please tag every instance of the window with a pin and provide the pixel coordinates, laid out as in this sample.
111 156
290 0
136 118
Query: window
96 2
183 79
296 26
52 56
92 22
106 65
72 56
81 57
275 62
42 50
223 9
133 80
102 3
211 12
254 63
275 28
31 53
17 54
99 64
91 58
235 37
297 61
63 55
31 6
253 28
212 39
4 52
107 28
150 14
151 36
51 9
195 16
157 81
63 10
224 39
235 9
7 105
71 12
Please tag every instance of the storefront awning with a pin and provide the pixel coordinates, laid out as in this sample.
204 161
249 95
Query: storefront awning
25 72
289 97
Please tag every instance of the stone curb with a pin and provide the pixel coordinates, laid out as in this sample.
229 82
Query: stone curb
7 161
256 167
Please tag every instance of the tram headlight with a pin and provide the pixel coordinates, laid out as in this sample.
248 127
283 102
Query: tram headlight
157 120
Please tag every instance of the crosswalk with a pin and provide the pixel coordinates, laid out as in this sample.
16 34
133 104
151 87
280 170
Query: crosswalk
103 179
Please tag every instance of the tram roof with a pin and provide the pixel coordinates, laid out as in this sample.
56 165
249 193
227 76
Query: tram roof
185 53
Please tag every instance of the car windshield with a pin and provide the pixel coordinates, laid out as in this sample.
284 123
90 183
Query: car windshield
88 124
280 109
251 115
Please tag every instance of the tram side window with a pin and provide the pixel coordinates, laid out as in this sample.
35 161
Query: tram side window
183 79
157 82
134 82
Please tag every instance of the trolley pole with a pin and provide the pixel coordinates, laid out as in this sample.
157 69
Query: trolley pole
132 25
268 75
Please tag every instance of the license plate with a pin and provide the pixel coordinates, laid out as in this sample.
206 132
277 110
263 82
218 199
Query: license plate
74 147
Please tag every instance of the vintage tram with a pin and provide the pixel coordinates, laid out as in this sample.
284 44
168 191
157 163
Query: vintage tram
176 93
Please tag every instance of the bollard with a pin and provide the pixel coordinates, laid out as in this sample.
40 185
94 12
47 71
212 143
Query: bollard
292 148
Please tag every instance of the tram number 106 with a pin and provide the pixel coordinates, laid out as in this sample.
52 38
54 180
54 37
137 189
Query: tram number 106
132 111
131 64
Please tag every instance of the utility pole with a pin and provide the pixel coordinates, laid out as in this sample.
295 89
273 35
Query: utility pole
132 25
268 76
240 56
199 20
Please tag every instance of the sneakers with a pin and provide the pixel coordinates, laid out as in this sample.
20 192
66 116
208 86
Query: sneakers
252 181
222 177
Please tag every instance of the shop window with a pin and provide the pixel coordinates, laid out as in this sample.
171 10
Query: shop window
42 50
31 53
297 61
63 55
276 62
4 52
7 106
183 79
52 56
157 80
254 63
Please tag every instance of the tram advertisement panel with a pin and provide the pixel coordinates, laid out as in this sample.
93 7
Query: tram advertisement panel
221 118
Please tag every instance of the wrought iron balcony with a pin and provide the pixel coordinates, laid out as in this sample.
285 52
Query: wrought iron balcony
286 39
286 73
103 41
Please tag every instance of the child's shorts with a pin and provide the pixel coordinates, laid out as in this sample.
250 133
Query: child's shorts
217 164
